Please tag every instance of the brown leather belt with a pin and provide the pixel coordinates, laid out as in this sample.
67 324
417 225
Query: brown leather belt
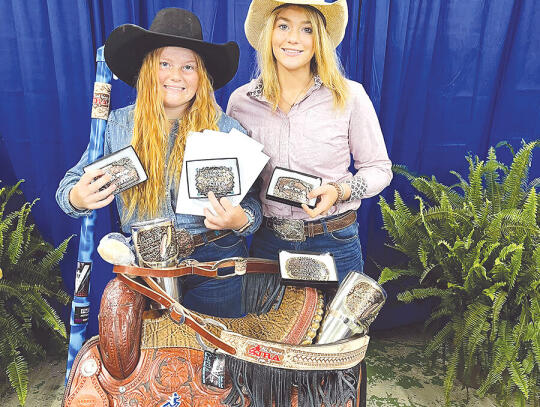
206 269
296 230
211 235
188 242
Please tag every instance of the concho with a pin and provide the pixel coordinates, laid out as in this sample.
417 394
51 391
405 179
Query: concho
292 189
306 268
219 180
185 243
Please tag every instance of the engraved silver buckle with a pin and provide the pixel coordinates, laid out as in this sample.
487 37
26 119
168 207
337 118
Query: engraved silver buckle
307 268
218 179
289 229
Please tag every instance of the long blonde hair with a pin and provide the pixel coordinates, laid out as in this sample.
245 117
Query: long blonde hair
151 130
325 62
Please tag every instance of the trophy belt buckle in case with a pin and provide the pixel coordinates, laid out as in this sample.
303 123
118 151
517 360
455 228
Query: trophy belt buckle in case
289 229
306 268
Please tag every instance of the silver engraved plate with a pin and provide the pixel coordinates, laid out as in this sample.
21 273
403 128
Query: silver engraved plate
364 301
123 173
292 189
155 243
354 307
306 268
218 179
289 229
185 243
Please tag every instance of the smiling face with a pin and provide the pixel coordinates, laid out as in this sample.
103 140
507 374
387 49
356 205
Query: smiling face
292 39
178 79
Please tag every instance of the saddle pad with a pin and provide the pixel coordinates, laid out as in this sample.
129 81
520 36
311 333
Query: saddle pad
295 322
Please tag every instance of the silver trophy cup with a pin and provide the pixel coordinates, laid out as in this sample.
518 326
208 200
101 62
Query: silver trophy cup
354 307
156 247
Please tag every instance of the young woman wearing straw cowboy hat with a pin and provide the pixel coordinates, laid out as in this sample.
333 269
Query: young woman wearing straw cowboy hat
310 118
175 73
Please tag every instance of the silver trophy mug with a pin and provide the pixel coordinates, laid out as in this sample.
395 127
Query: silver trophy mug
355 306
156 247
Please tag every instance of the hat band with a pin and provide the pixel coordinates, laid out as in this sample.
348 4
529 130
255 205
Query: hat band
306 6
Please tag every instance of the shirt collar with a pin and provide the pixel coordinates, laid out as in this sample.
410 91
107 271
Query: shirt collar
256 89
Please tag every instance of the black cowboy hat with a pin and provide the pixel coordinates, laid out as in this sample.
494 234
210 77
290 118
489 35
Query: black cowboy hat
128 44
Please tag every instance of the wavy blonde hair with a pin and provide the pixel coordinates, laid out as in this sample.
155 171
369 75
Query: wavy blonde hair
324 63
150 135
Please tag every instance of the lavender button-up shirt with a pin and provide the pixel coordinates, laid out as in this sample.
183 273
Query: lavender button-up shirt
317 139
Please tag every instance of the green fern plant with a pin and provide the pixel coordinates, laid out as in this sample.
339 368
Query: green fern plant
29 276
474 247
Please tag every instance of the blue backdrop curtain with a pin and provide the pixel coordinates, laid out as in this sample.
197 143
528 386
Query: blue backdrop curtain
446 77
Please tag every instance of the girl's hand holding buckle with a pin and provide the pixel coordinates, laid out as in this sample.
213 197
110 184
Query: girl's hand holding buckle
226 215
327 196
86 193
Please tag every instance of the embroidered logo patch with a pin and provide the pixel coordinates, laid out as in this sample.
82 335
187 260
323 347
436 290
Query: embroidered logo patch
101 100
174 401
265 354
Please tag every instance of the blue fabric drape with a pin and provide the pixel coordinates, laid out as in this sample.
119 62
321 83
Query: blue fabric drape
446 77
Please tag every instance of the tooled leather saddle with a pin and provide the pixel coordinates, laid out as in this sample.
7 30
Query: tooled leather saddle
167 357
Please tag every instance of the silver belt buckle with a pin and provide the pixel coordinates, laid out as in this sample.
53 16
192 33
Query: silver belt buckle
289 229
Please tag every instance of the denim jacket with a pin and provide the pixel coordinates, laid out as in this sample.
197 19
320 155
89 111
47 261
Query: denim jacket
117 136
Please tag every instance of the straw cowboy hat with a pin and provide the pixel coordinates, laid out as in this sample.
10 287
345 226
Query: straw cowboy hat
335 13
128 44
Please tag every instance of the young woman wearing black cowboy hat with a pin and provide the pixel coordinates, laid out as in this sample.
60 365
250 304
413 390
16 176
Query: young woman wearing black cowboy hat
175 73
310 118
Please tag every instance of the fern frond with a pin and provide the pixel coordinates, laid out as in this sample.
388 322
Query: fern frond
389 274
476 326
426 271
519 378
402 170
515 265
453 363
515 181
421 294
442 337
16 242
17 372
535 344
53 257
441 312
6 193
498 302
507 145
48 314
499 364
475 195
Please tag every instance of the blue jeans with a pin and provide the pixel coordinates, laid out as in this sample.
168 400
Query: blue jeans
344 244
220 298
